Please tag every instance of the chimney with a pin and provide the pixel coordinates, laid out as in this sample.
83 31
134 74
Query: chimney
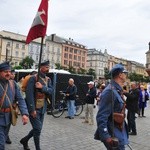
53 37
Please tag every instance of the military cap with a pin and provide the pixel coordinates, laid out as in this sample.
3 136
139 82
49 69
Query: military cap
118 68
45 63
5 66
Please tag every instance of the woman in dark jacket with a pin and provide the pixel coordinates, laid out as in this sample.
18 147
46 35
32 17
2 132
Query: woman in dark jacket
142 100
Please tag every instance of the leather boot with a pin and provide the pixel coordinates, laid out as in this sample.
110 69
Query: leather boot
8 141
24 142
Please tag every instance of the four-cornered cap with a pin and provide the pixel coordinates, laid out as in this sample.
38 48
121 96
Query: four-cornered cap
119 68
91 82
5 66
45 63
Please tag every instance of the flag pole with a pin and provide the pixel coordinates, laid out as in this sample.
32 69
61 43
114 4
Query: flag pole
40 58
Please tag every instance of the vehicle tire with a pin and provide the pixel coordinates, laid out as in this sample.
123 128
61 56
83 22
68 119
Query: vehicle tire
79 108
58 109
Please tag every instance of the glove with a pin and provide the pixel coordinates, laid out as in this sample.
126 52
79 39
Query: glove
109 141
112 142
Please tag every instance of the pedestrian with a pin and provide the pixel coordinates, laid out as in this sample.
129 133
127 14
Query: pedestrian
9 92
144 97
71 92
89 100
37 92
132 107
12 77
112 132
99 92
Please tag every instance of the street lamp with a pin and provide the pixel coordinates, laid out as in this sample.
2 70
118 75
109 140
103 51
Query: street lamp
6 52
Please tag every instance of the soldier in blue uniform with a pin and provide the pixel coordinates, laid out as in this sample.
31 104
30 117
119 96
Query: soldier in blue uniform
7 96
112 101
36 95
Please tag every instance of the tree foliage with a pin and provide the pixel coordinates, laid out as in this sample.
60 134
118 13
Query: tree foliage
137 77
27 63
107 74
91 71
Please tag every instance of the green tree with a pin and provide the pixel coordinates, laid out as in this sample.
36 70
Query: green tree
91 72
107 74
27 62
137 77
58 66
18 67
72 70
81 71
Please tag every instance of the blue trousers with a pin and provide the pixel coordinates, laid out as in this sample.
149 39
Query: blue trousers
71 108
37 124
3 136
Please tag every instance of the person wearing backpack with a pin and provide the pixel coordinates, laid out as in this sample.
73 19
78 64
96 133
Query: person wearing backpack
37 92
9 92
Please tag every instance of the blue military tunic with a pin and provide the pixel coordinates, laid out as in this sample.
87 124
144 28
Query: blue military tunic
13 94
104 119
30 92
37 122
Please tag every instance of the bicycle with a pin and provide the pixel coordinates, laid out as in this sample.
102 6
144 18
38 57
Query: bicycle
61 105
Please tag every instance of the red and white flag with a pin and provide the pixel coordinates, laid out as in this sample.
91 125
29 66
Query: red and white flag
39 25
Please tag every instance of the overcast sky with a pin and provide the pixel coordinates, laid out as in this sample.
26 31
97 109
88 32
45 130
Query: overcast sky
120 26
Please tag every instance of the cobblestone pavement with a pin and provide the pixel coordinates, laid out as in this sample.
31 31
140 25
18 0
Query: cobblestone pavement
65 134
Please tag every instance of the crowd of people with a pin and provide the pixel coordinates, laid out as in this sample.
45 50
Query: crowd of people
115 103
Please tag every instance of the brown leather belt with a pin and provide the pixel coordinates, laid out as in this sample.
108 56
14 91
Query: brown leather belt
5 110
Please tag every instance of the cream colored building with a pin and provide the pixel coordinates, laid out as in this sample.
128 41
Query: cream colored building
97 61
53 50
12 47
135 67
34 51
112 60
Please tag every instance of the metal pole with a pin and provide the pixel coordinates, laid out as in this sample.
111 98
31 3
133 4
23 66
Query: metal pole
41 50
6 53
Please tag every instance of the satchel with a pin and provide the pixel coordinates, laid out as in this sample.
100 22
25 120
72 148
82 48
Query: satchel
14 115
119 117
40 97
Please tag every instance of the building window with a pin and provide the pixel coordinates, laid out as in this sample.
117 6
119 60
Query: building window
17 46
83 65
75 57
83 58
65 62
66 49
58 51
90 64
65 55
75 51
17 53
79 58
23 46
70 63
23 54
79 52
37 57
8 44
71 50
70 56
37 51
